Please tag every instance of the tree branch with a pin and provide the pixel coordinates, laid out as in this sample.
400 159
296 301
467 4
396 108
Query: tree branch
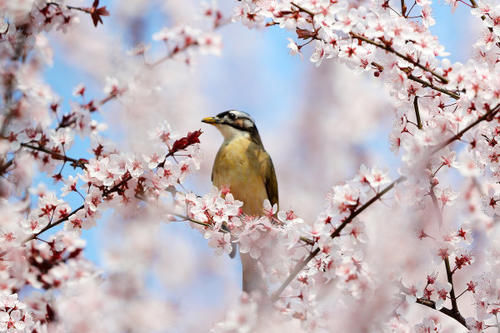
307 240
302 9
453 312
403 8
176 50
402 56
170 55
417 112
412 77
116 187
444 310
51 225
487 116
187 218
432 86
105 192
449 276
388 48
5 166
113 94
55 155
300 265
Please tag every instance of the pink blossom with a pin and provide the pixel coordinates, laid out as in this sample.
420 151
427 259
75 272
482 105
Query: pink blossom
79 90
221 242
70 185
428 325
321 51
362 250
446 196
293 47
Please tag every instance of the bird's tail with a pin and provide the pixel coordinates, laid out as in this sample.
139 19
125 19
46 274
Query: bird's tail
252 276
233 251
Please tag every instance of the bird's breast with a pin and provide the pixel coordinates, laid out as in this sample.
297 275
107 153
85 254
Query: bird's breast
238 167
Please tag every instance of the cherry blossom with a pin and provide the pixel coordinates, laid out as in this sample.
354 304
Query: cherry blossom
397 249
428 325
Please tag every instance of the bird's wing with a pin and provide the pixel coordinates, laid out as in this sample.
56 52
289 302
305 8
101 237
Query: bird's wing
270 180
212 176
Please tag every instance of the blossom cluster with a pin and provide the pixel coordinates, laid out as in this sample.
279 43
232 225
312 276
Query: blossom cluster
50 273
349 260
436 99
183 41
334 242
181 38
437 104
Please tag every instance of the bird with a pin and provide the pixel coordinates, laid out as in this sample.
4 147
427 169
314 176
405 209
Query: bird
243 165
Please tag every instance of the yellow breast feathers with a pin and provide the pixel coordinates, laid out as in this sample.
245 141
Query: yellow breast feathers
246 168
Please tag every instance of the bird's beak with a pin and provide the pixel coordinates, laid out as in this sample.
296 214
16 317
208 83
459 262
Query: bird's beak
210 120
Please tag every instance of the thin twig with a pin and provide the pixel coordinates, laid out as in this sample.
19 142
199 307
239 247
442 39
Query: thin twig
454 312
407 58
307 240
430 85
106 192
187 218
302 9
53 224
112 95
172 53
81 9
463 292
417 112
411 8
56 155
487 116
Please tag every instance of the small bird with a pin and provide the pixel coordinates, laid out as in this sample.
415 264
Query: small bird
243 165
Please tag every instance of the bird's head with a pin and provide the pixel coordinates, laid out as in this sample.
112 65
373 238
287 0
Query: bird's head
233 124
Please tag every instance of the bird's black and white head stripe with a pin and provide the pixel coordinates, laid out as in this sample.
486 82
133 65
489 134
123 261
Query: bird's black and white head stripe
234 123
237 119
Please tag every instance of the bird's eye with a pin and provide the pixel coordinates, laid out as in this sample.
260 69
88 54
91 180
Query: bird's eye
231 116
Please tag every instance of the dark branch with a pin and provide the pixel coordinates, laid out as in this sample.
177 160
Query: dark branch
449 276
432 86
300 265
5 166
57 156
453 312
402 56
302 9
487 116
417 112
446 311
53 224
